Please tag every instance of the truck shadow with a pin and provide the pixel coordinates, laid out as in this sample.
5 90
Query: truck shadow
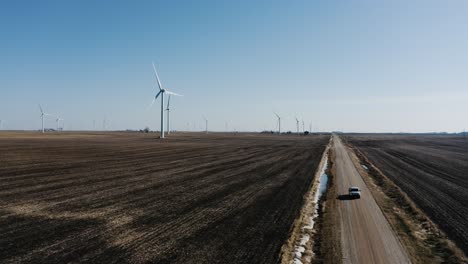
343 197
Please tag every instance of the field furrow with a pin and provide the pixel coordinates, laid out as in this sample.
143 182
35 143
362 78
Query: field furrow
130 198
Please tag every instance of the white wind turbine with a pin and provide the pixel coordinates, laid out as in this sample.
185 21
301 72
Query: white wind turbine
58 122
279 123
297 125
167 109
206 125
303 126
161 92
42 117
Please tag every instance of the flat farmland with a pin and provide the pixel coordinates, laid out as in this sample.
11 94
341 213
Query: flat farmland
432 170
131 198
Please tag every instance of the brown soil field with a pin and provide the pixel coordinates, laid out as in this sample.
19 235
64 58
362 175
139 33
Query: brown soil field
432 170
131 198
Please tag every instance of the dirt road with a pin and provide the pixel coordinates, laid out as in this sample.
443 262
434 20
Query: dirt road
366 235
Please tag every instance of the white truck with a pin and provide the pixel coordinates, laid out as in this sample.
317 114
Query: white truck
354 192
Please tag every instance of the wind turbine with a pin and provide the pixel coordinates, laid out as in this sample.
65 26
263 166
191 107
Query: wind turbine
279 123
297 125
303 126
58 122
206 125
167 109
161 92
42 117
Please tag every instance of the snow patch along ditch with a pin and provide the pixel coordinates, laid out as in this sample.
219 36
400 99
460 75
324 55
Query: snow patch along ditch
308 227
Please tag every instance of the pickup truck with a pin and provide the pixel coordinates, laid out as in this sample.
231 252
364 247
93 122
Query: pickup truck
354 192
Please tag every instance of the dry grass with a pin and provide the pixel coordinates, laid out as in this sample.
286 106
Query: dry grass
298 227
329 235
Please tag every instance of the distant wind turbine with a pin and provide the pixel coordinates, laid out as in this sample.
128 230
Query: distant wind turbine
297 125
279 123
167 109
303 127
58 122
42 117
206 124
161 92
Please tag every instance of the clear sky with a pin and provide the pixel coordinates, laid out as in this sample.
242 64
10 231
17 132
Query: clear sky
365 66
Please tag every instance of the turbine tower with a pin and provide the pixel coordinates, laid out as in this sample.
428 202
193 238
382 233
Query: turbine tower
206 125
42 117
161 92
297 125
279 123
167 109
58 122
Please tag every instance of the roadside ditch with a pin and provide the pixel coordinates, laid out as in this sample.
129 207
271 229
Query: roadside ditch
316 221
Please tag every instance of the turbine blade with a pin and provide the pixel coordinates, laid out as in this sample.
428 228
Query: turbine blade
151 104
172 93
154 99
157 95
168 101
40 108
157 77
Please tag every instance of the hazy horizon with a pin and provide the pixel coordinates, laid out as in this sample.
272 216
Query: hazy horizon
357 66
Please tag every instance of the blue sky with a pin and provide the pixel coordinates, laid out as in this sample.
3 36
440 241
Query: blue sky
365 66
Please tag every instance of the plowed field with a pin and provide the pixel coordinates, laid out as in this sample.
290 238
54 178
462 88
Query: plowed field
432 170
130 198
